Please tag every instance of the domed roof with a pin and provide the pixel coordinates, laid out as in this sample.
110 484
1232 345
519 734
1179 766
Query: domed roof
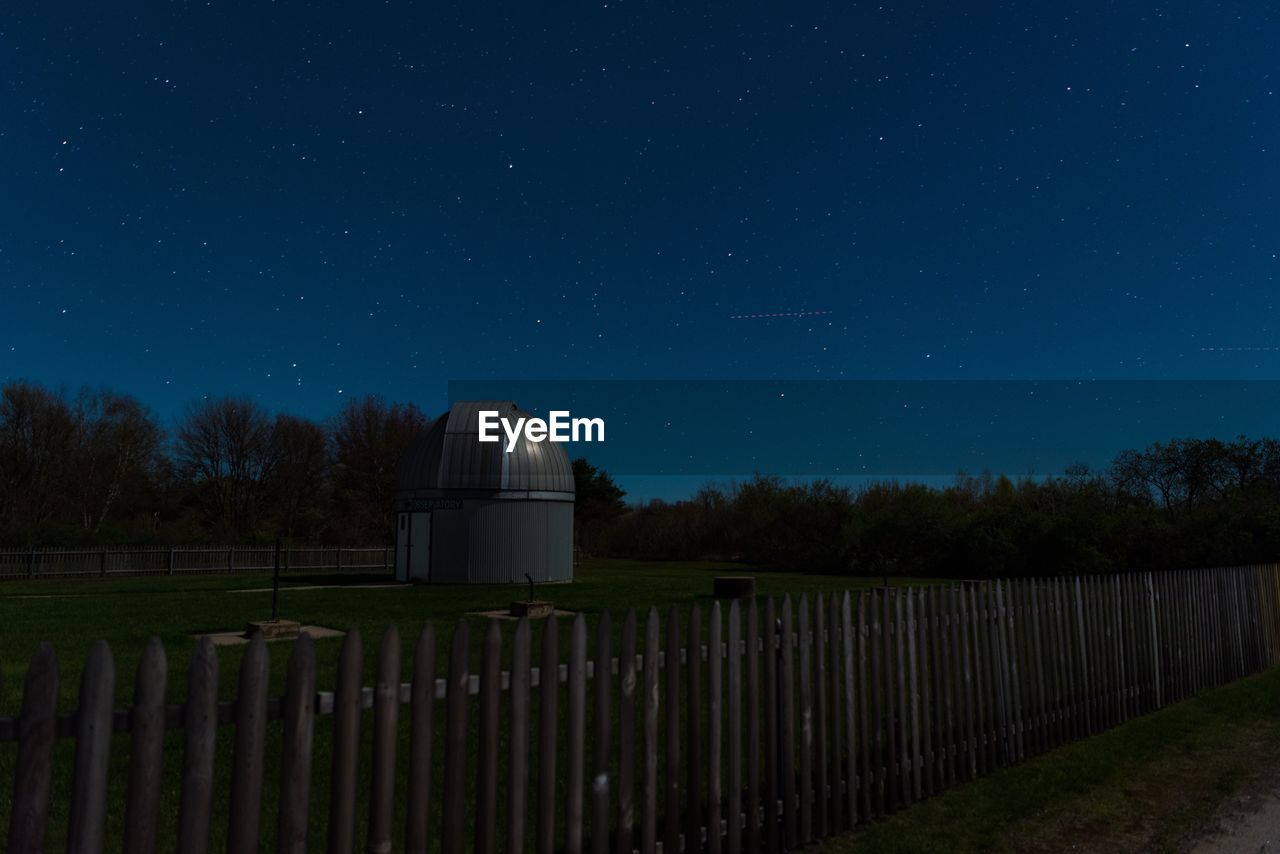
449 455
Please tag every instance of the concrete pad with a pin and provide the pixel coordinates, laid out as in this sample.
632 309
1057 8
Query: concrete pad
532 608
237 638
505 614
274 629
283 587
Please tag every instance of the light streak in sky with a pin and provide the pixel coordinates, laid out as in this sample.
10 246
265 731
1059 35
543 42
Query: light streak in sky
778 314
1240 349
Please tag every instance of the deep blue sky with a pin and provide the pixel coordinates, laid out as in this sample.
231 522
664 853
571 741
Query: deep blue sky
301 202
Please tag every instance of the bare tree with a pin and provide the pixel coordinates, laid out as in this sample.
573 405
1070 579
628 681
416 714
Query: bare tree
117 441
37 437
368 438
223 450
297 483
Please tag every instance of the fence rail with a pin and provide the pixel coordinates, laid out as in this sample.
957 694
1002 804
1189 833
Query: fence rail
56 562
764 727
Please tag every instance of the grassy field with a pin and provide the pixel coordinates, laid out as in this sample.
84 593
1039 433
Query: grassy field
73 613
1148 785
1151 784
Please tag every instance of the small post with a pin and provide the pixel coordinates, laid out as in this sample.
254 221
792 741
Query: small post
408 551
530 577
171 561
275 584
31 563
779 723
339 558
102 564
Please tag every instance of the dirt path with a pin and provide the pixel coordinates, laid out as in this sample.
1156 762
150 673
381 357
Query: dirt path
1246 822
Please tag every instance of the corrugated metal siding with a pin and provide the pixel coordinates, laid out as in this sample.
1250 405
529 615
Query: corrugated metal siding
497 542
449 547
559 533
492 539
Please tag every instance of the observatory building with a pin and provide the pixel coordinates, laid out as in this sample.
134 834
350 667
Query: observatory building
470 512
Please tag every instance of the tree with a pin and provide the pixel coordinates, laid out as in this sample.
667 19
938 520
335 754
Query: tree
368 437
37 442
597 501
116 446
295 489
225 455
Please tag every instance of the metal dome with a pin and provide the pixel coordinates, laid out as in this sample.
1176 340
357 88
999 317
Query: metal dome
449 456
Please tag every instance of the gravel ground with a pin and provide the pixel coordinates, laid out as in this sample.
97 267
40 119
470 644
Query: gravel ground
1246 823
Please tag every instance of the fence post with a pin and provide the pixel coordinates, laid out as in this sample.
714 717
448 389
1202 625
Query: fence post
346 742
786 774
733 811
772 630
626 737
146 736
485 839
247 758
786 694
31 563
339 558
577 726
518 743
456 741
200 719
37 728
753 726
671 812
715 701
171 555
231 556
386 714
102 564
693 738
295 760
86 824
422 713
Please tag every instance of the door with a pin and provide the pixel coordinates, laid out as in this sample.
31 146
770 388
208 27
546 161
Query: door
419 558
402 547
413 546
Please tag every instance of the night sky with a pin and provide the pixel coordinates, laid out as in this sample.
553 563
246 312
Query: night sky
304 202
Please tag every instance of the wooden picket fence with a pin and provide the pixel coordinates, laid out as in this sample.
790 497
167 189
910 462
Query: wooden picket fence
765 727
41 562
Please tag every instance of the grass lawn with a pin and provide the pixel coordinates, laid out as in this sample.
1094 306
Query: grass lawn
1148 785
73 613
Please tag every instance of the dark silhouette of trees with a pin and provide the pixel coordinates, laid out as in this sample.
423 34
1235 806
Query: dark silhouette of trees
367 437
98 468
597 502
225 456
67 467
37 443
1187 502
117 444
297 486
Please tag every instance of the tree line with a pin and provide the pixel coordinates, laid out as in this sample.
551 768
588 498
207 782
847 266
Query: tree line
98 467
1184 503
